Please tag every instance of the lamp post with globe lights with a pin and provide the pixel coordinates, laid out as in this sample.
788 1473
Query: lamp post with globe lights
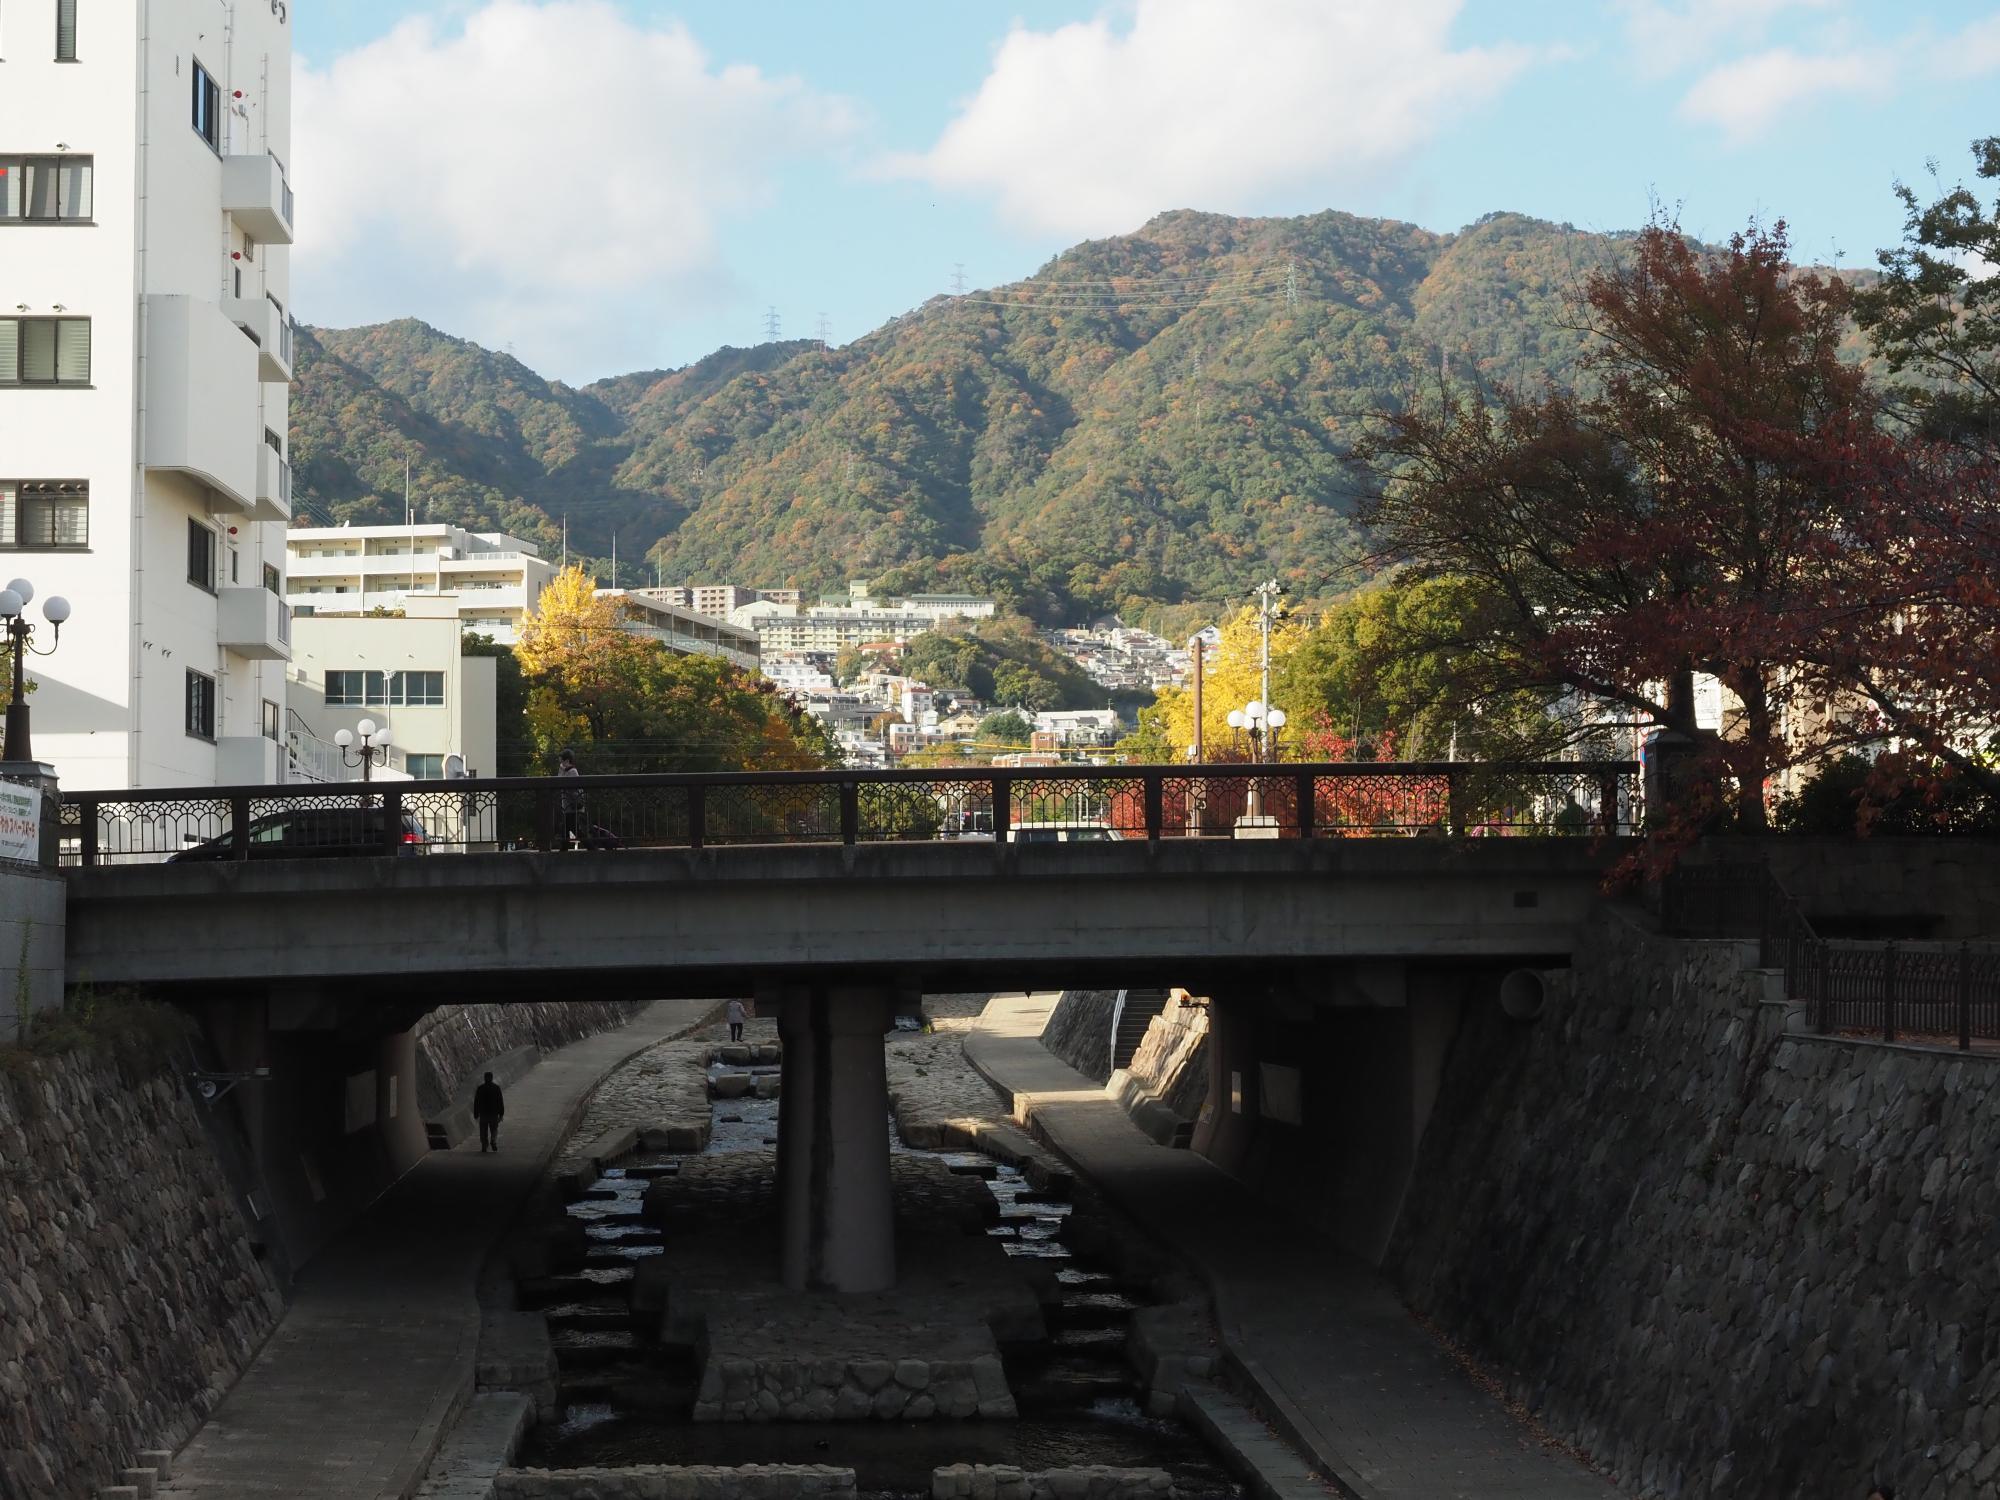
372 739
14 600
1261 722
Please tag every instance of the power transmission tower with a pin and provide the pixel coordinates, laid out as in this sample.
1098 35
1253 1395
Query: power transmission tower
823 331
1291 286
958 278
771 323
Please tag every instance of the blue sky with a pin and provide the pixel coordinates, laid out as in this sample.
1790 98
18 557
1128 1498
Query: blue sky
608 185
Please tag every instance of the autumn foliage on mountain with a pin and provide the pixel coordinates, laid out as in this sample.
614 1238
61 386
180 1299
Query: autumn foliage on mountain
1165 416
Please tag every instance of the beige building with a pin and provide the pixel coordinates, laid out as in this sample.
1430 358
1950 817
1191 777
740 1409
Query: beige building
408 674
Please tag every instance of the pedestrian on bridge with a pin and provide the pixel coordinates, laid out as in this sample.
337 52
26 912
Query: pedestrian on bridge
737 1014
572 801
487 1108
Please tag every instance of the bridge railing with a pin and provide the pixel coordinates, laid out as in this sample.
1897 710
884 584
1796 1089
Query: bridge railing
1925 992
1053 804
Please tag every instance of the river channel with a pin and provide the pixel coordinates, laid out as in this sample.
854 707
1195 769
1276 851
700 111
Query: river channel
626 1399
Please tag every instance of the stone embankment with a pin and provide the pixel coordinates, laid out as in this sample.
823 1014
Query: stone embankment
1723 1257
456 1042
1166 1085
1079 1031
130 1298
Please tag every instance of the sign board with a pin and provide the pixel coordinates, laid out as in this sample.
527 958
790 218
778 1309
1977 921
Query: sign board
20 822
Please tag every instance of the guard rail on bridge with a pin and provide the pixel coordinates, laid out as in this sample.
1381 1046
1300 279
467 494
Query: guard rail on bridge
1348 800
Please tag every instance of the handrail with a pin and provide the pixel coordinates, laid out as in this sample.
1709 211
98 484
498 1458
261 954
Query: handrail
1060 803
1885 990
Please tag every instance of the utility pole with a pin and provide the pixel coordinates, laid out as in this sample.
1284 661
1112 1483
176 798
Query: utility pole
409 516
565 561
614 559
1267 609
1200 646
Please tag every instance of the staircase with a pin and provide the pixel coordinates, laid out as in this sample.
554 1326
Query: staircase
1135 1014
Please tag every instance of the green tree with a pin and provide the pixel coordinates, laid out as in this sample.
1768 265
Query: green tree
1934 317
1005 728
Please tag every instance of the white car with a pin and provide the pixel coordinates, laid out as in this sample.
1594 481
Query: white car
1061 832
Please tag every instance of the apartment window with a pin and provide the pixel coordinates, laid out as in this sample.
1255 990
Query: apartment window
207 107
275 443
43 515
44 351
357 688
200 705
237 273
65 30
201 555
45 189
424 767
273 582
417 689
270 720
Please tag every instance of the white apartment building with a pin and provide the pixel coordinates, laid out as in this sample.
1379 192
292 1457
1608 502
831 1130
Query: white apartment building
494 579
145 353
831 628
685 631
407 673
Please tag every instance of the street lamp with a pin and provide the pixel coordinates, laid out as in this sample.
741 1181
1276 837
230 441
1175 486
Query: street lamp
372 740
20 634
1262 722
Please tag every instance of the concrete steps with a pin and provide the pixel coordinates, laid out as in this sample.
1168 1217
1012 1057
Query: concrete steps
1137 1013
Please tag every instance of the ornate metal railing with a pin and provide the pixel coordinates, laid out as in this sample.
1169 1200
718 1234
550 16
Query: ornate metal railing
1895 991
1017 804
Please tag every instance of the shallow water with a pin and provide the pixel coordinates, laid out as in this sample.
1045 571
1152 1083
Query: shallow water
628 1402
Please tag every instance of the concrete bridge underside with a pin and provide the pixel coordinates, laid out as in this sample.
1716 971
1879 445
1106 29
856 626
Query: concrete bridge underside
314 960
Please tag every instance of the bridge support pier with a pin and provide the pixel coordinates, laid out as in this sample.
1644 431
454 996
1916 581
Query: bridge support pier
838 1211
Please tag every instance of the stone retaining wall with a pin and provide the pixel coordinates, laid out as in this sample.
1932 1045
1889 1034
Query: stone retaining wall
1724 1258
1172 1061
129 1296
674 1482
455 1041
1079 1031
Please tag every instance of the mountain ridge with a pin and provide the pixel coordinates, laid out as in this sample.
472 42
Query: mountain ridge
1147 420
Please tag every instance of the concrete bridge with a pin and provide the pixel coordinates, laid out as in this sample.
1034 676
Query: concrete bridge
836 899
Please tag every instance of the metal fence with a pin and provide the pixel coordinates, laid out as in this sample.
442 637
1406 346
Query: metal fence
1017 804
1896 991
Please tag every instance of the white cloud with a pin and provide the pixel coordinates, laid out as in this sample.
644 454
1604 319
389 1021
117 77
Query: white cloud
548 172
1974 51
1745 97
1219 104
1666 36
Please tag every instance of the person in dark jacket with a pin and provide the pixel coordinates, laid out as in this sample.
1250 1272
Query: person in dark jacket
487 1108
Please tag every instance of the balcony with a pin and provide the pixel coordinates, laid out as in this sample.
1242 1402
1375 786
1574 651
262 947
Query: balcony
253 622
270 329
201 399
274 486
256 195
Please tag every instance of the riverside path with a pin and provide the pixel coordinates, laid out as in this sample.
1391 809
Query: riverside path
1335 1359
349 1397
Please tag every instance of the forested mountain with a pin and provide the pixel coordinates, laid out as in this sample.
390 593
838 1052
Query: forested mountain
1153 419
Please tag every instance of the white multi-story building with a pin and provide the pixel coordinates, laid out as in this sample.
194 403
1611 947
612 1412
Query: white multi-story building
493 578
407 673
145 351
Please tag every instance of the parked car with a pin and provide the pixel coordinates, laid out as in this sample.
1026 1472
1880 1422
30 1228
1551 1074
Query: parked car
1061 832
314 833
